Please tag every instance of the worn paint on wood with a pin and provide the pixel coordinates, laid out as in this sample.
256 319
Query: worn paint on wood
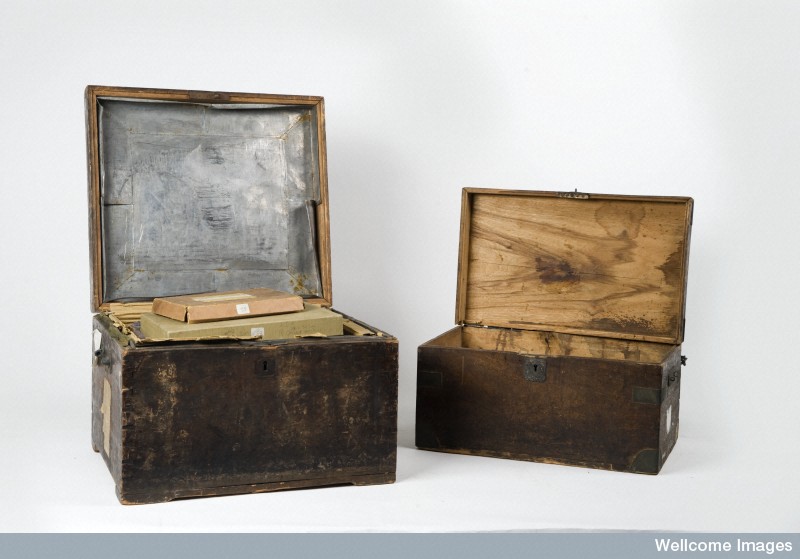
190 191
570 309
582 411
555 344
212 419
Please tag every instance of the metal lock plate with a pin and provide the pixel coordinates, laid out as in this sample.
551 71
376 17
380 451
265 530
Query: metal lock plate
535 369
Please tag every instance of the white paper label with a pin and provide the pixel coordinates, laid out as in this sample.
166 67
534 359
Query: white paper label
257 332
97 339
243 308
669 419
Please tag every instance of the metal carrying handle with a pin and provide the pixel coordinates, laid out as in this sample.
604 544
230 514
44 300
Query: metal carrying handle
97 346
100 358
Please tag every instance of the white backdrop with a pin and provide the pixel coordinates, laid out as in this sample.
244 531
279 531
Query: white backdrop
694 98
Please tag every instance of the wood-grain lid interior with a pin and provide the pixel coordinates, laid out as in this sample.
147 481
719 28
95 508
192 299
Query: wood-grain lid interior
189 196
612 266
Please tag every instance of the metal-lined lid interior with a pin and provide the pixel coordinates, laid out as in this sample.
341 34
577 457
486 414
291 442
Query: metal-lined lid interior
612 266
201 197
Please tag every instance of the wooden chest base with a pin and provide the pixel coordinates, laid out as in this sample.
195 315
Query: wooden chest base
200 419
557 398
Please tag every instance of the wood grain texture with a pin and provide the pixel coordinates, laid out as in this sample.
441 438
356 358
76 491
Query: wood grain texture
463 256
322 210
584 413
93 176
611 266
532 342
570 310
195 96
198 419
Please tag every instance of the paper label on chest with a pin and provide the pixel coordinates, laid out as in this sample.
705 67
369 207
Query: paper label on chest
595 265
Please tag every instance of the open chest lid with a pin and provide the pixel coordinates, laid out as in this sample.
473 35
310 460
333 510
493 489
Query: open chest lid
193 191
591 264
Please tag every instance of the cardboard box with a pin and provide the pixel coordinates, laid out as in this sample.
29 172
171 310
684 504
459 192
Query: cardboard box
313 321
206 307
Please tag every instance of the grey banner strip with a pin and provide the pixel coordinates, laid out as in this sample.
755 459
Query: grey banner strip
397 546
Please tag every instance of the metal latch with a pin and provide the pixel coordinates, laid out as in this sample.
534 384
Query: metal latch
575 194
675 375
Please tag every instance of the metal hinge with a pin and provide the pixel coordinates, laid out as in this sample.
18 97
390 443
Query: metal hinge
476 325
574 194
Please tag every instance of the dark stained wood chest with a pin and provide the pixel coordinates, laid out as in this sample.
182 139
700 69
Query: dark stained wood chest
207 191
570 318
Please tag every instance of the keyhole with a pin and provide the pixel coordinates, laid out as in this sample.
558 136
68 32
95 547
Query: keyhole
265 367
535 370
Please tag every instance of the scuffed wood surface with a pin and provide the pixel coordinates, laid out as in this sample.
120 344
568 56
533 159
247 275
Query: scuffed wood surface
585 412
552 344
212 419
607 265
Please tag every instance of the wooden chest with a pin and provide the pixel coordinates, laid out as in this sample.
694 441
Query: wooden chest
203 191
570 312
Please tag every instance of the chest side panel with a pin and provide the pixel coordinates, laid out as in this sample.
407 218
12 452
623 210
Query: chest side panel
203 421
577 411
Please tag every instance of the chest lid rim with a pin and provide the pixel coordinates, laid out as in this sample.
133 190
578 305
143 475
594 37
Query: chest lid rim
317 237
